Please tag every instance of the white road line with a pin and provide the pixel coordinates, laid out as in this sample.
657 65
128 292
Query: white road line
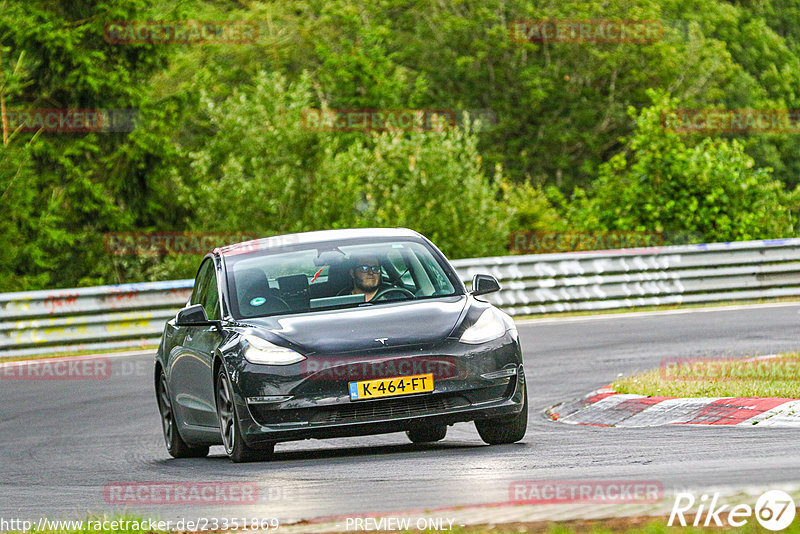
653 313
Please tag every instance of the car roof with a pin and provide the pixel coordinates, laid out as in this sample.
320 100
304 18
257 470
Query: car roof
321 236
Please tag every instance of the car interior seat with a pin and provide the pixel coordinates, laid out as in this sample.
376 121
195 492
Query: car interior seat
339 279
294 290
252 286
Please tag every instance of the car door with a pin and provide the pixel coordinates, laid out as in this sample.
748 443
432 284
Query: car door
193 383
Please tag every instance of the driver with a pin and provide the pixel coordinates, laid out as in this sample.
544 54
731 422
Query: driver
366 274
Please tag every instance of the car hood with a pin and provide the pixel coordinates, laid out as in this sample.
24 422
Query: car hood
403 323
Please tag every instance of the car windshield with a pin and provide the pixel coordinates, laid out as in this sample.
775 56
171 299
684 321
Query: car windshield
335 275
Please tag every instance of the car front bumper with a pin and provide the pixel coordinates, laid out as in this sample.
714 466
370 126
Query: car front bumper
311 399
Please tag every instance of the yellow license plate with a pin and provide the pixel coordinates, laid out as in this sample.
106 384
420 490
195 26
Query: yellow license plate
388 387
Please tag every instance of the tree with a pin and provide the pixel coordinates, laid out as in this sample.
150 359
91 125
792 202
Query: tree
65 189
262 169
711 191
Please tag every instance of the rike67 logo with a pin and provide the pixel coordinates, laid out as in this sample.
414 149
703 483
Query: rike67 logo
774 510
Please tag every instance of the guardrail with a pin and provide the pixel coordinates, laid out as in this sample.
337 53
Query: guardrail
92 318
602 280
133 315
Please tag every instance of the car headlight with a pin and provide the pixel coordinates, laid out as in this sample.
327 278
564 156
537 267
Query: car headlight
263 352
490 325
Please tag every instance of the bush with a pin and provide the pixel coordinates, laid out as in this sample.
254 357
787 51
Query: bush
260 170
710 191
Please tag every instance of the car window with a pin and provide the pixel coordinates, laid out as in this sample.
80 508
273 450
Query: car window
437 277
201 283
205 290
317 277
399 264
211 301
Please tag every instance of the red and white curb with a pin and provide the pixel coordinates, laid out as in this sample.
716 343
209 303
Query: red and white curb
606 407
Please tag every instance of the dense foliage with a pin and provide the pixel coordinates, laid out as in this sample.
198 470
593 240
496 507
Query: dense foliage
569 136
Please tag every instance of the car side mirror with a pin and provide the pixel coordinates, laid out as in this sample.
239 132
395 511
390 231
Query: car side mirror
192 316
483 284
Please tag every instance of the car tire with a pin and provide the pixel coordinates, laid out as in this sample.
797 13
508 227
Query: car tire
504 430
235 447
427 434
176 447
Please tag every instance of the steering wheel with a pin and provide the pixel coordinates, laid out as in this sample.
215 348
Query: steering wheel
282 302
380 294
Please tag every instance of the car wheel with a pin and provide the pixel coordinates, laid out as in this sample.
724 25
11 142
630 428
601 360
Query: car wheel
235 447
176 447
427 434
504 430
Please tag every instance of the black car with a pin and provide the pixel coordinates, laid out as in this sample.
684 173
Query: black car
335 333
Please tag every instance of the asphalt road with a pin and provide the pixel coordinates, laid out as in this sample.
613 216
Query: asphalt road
63 441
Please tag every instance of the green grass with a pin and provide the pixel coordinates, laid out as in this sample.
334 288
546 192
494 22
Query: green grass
739 377
628 525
